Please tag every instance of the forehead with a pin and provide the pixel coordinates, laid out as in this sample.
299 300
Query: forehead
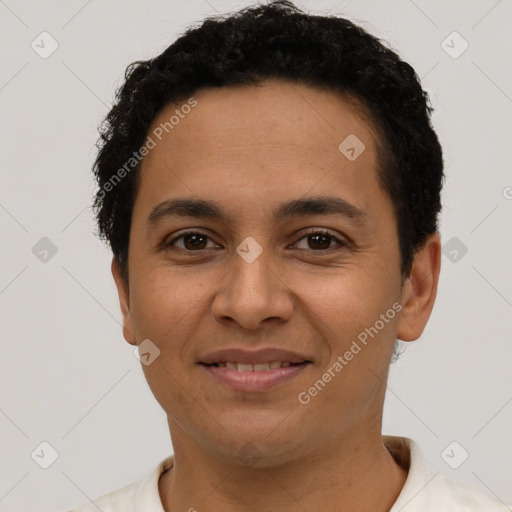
251 143
273 112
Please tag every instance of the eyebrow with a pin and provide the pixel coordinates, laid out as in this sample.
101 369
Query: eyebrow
203 209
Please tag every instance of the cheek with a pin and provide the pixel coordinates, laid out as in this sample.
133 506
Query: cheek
164 311
358 345
345 300
346 312
162 303
175 393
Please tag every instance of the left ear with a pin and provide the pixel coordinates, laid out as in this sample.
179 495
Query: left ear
420 289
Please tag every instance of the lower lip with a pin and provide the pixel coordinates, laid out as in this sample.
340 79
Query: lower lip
254 381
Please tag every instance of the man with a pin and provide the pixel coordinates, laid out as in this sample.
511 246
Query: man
270 186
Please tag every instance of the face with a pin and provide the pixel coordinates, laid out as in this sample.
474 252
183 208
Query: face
296 252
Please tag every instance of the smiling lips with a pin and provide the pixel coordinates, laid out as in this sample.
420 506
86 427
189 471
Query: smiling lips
258 367
246 371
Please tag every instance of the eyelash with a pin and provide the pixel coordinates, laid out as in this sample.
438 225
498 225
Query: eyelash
317 231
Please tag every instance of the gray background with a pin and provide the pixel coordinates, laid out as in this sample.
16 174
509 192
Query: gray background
67 375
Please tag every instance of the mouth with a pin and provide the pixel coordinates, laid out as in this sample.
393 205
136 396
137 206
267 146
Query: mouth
257 377
257 367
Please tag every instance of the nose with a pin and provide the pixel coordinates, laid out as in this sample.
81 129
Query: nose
253 293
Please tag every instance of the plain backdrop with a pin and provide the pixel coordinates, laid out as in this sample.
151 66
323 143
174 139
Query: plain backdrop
67 376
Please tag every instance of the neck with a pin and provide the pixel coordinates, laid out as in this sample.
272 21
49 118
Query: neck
356 474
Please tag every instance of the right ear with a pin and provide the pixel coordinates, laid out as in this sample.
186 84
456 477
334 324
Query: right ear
124 301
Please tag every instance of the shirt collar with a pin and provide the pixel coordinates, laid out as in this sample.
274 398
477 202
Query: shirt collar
148 494
420 474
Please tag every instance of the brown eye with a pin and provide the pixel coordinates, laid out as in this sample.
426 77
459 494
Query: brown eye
192 241
321 240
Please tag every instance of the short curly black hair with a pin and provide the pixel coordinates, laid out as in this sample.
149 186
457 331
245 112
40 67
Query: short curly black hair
279 41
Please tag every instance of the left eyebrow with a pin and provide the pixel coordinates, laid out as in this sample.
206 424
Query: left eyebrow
200 208
321 206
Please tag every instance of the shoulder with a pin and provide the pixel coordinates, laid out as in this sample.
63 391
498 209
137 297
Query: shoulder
428 490
462 498
140 495
122 499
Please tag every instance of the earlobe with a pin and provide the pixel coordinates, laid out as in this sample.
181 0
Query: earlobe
124 301
420 289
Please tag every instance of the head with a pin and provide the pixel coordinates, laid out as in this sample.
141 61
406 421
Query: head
272 179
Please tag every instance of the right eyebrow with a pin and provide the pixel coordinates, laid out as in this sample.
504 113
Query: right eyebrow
186 207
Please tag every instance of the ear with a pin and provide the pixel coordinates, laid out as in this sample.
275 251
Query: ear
419 290
124 301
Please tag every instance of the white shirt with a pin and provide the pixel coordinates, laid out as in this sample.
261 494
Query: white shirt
425 490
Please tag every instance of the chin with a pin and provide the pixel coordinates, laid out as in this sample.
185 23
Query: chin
259 447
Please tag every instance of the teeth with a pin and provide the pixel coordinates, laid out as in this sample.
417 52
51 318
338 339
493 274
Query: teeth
244 367
259 367
262 366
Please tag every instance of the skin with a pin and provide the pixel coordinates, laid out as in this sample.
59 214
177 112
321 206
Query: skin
251 148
